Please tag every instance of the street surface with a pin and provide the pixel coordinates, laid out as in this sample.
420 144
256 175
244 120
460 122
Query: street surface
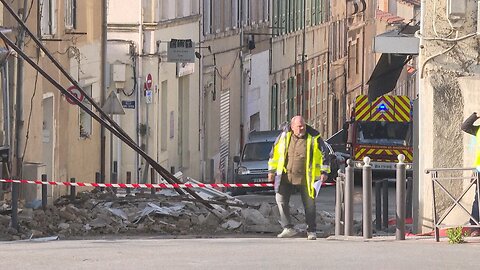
239 253
326 200
253 251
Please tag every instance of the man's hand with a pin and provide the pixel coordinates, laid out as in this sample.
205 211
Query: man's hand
323 177
271 177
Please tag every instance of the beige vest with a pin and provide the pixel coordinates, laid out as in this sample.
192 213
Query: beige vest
296 158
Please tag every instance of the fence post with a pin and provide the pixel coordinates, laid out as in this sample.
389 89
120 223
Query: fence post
72 189
349 198
378 205
44 192
98 180
367 198
152 180
129 181
114 177
401 175
338 204
385 203
14 221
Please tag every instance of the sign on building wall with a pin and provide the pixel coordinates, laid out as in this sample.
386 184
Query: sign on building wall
181 51
185 69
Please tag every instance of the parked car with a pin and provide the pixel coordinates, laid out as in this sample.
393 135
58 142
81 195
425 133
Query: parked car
252 165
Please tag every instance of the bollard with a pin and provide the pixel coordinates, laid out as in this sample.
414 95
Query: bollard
401 178
14 218
114 181
72 190
98 180
385 203
349 198
409 210
152 180
367 198
44 192
378 205
129 181
338 204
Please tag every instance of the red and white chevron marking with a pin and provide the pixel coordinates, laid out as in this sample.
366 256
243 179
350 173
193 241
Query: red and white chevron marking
164 186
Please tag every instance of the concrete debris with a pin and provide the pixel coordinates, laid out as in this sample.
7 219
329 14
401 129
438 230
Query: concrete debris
104 213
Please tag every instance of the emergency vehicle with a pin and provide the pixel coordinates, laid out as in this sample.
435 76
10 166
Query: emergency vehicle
381 130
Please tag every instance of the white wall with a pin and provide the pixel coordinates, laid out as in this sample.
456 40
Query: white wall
123 12
258 91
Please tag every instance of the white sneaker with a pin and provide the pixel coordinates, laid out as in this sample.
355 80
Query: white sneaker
287 233
311 236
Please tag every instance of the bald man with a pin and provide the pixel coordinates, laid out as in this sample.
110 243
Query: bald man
298 159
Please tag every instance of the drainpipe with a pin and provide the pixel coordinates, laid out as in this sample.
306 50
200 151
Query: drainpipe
6 104
103 84
242 83
304 81
19 94
201 114
139 88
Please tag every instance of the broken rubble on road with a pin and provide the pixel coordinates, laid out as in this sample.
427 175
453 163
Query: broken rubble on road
165 213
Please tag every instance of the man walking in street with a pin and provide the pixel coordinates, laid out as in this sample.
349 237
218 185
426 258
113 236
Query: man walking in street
298 159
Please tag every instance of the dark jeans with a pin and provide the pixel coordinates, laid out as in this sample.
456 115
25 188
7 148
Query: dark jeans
282 197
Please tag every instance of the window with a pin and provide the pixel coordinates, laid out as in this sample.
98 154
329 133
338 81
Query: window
235 14
183 8
207 17
70 14
357 57
291 98
167 9
216 20
283 98
255 121
246 12
85 120
48 22
273 107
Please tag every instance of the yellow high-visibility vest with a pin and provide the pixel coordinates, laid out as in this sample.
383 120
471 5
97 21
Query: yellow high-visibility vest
314 163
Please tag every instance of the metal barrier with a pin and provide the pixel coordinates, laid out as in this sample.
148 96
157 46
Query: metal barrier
344 200
436 178
339 203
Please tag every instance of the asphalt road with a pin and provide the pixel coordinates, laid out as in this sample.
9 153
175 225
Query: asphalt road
238 253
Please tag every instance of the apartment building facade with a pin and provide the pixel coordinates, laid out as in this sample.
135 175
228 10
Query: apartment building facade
49 135
160 99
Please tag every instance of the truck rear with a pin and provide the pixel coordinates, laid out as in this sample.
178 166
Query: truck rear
381 130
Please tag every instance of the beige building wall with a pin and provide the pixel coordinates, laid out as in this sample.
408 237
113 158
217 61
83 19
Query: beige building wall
170 121
55 145
448 86
225 29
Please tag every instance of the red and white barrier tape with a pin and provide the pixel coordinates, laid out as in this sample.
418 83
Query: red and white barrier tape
79 184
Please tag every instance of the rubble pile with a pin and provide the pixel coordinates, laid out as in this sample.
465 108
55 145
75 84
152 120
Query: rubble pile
166 213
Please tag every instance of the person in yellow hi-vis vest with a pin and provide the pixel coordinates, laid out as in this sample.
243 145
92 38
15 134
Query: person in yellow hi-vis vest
298 160
469 128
